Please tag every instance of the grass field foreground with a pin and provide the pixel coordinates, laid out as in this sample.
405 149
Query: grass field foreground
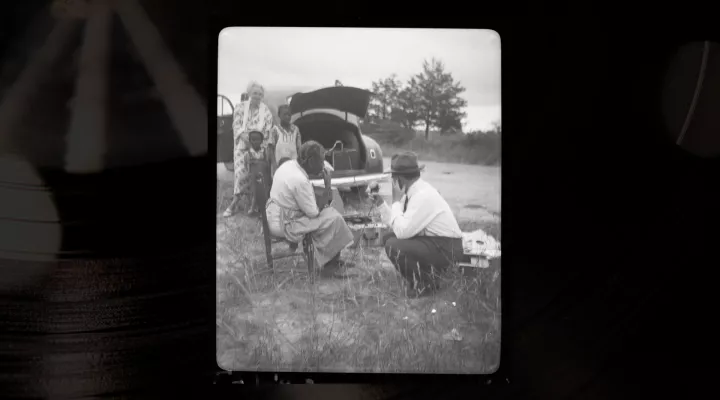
362 323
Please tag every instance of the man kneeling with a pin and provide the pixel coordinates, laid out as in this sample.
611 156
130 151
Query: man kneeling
425 238
294 211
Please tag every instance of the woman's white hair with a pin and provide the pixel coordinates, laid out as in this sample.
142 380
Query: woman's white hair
254 84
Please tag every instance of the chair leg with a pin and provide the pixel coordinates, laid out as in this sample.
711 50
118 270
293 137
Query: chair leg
263 216
309 257
270 261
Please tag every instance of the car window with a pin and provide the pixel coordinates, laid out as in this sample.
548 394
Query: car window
224 107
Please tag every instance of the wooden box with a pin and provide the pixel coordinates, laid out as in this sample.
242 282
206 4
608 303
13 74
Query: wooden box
366 232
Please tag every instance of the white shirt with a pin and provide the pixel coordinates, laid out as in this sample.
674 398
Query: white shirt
427 214
292 190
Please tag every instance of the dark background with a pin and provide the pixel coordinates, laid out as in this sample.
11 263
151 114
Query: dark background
608 285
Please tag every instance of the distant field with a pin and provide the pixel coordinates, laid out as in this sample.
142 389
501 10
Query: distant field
472 148
472 191
439 151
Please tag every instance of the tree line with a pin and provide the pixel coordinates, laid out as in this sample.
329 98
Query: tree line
430 98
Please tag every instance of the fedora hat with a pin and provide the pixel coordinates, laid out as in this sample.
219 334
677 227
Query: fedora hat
404 163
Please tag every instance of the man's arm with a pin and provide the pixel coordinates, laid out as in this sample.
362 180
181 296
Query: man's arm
414 220
326 196
322 197
305 197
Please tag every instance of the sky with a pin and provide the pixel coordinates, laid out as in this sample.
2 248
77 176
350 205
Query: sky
311 58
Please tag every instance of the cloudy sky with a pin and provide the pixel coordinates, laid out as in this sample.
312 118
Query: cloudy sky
310 58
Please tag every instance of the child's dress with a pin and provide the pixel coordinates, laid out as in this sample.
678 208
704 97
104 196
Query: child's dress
286 142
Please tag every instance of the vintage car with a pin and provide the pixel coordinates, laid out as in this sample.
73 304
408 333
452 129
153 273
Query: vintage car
331 117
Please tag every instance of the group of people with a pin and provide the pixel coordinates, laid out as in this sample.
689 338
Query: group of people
423 240
259 143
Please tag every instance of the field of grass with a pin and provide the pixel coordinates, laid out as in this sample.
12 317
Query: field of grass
480 148
278 320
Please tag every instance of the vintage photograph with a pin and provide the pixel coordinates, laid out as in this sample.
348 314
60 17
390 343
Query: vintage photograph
358 200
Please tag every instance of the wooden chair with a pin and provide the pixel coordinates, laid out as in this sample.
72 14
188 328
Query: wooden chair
308 249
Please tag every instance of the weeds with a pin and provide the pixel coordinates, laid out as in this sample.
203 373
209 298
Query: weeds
276 320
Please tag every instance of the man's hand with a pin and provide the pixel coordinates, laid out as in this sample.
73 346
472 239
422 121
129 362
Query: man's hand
373 191
377 199
326 196
326 178
397 193
322 197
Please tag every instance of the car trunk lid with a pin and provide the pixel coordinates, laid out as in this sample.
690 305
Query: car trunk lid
342 98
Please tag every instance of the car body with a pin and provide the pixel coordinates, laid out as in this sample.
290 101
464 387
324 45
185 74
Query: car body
330 116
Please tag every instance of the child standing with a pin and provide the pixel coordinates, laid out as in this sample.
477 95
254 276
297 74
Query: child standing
258 162
285 138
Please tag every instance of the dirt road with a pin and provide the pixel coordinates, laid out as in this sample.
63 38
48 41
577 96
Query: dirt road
473 191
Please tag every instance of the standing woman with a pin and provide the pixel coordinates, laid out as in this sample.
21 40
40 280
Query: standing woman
250 115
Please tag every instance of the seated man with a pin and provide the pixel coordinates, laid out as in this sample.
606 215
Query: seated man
293 210
425 238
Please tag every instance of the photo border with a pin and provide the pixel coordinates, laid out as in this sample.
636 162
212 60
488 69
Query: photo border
499 378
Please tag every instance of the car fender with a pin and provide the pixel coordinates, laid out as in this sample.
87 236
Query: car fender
373 156
373 169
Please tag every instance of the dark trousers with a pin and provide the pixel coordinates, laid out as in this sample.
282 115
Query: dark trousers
422 258
259 167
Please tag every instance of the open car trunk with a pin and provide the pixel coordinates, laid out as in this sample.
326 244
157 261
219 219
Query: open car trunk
326 129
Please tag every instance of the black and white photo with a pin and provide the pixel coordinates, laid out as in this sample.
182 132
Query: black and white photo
358 200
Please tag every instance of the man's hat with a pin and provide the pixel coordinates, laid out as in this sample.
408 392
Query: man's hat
405 163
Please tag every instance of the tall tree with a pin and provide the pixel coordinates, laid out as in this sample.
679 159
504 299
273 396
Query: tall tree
386 96
438 96
375 107
408 104
497 127
449 120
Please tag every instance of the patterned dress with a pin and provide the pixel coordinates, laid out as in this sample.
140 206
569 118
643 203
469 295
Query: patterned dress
260 119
